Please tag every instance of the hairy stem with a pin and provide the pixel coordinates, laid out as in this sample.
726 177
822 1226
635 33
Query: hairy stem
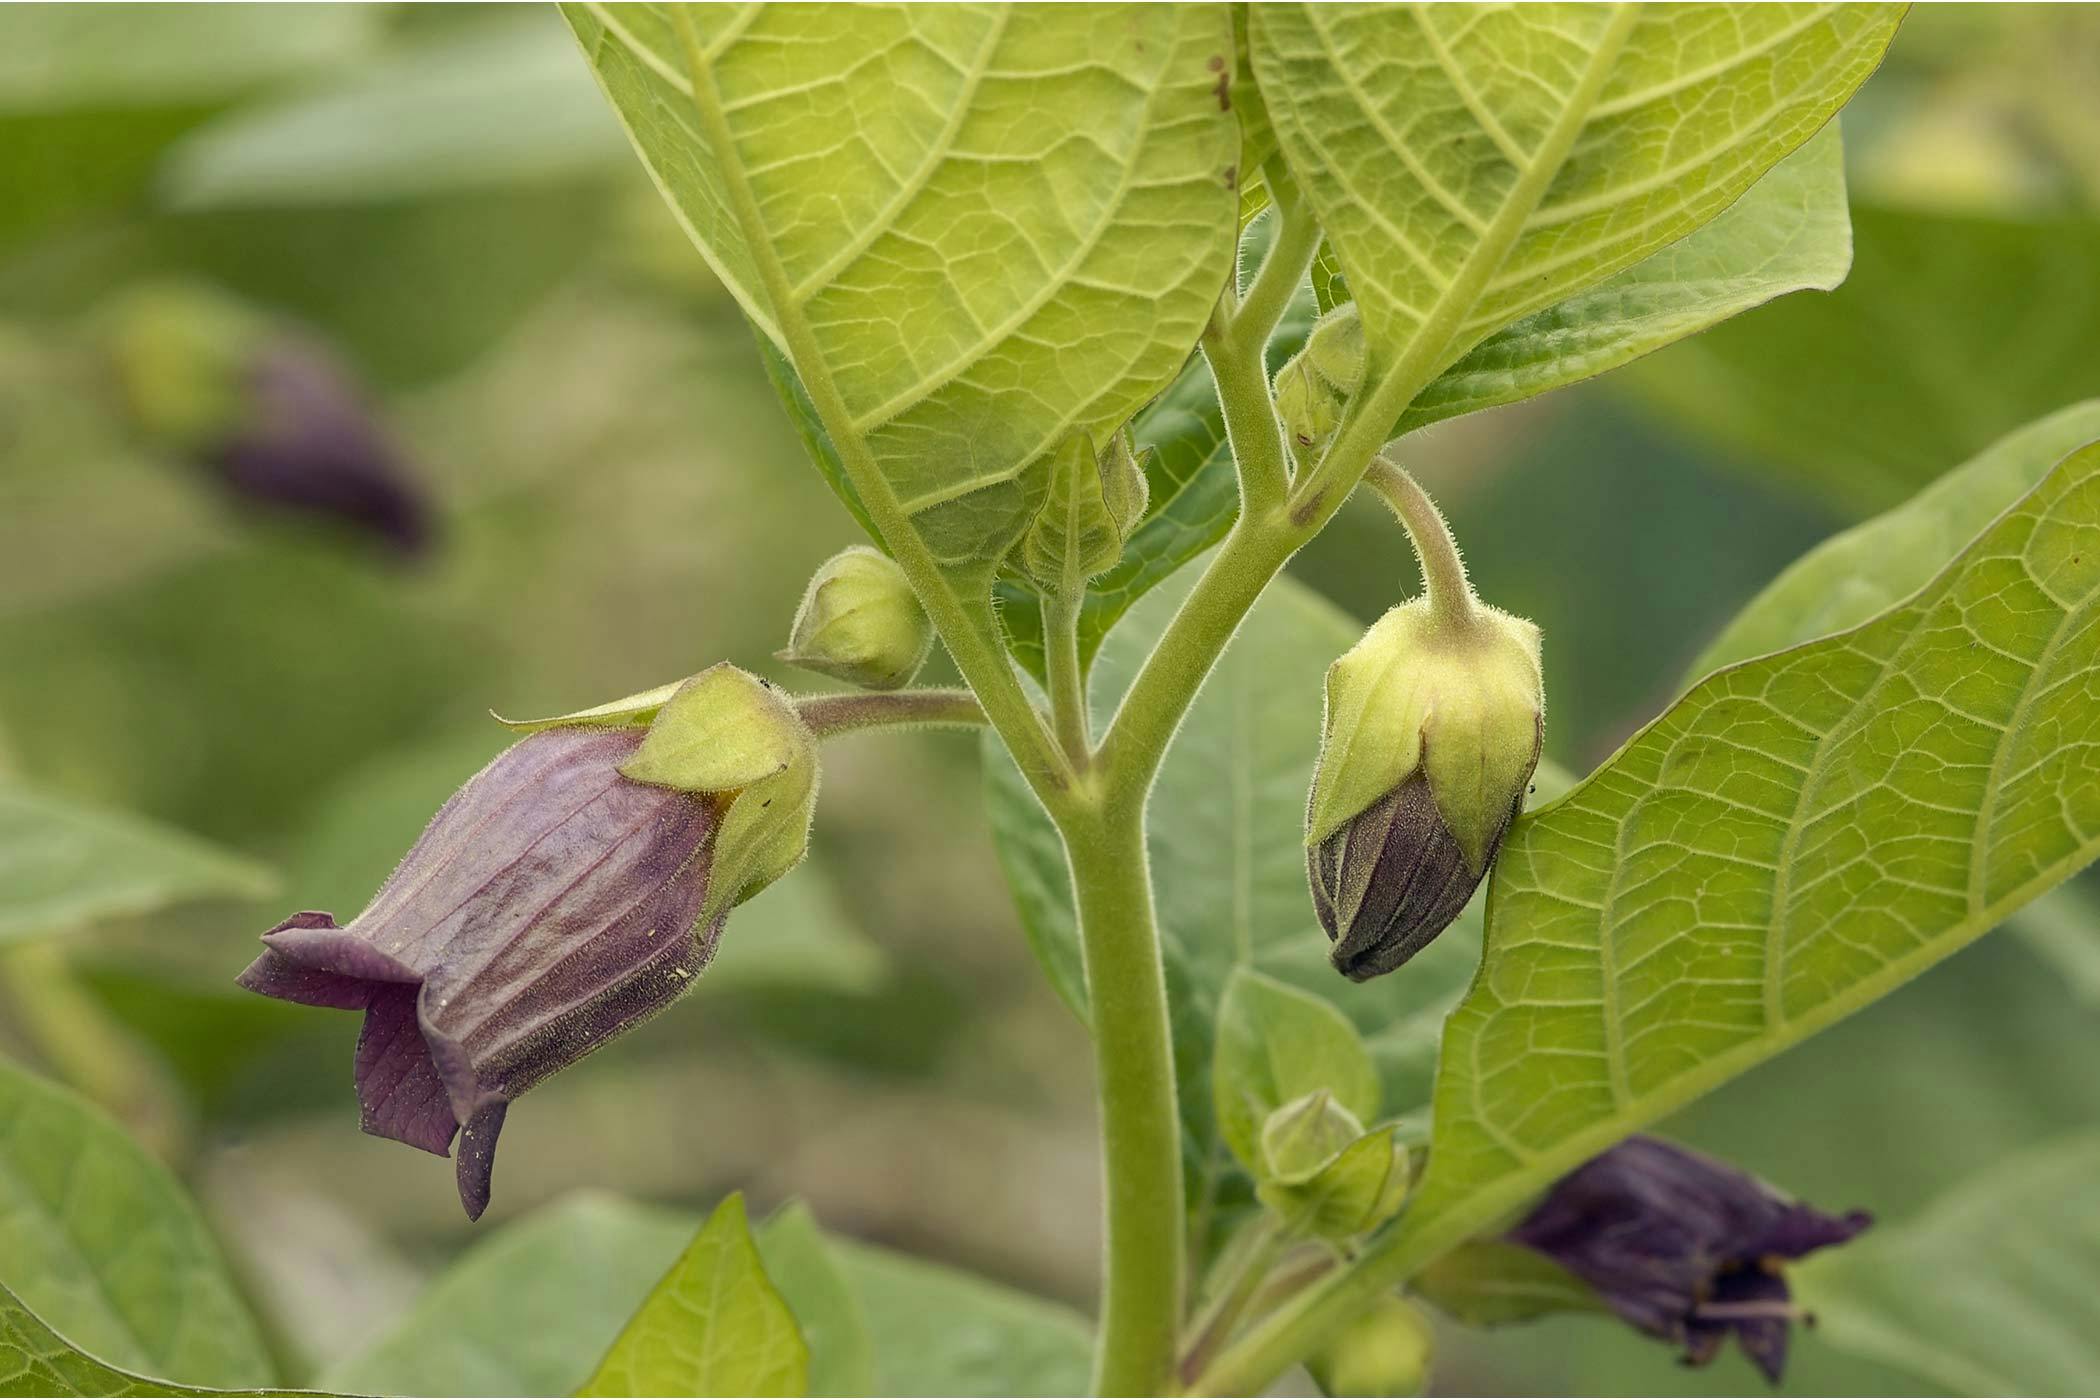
847 711
1443 571
1068 714
1140 1121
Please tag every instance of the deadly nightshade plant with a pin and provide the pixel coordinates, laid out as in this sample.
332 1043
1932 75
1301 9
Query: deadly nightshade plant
1063 299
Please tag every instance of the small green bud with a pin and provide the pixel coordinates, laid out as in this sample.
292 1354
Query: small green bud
1091 503
181 355
860 622
730 735
1433 730
1336 348
1385 1350
1310 407
1304 1135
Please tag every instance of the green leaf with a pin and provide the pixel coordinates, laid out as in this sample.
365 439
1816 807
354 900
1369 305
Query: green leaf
714 1325
1709 897
1989 1292
1277 1043
527 1310
941 1332
1486 1283
1790 233
1471 167
34 1360
1973 327
500 103
1228 863
998 226
1850 577
63 865
803 1266
101 1243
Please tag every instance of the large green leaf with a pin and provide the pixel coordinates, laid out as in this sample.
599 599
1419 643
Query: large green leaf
941 1332
1850 577
101 1243
1990 1292
1951 332
63 865
1795 837
1472 166
805 1268
714 1325
1227 843
34 1360
999 225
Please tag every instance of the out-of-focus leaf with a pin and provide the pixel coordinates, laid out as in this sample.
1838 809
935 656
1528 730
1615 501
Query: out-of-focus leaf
1485 1283
530 1309
938 1331
2062 928
1789 233
714 1325
1712 895
502 103
59 57
1989 1292
34 1360
802 1265
63 865
1852 576
1950 332
1277 1043
1227 841
1096 131
1473 167
100 1242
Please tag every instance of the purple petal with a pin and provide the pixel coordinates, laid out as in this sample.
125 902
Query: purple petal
398 1087
275 975
339 951
477 1157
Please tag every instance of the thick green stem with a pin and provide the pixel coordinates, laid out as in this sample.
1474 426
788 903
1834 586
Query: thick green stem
847 711
1068 716
1443 571
1140 1122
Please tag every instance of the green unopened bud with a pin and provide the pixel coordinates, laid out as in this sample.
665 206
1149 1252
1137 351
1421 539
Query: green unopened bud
728 734
1091 503
1384 1350
1434 722
1335 349
181 356
1310 407
1304 1135
861 622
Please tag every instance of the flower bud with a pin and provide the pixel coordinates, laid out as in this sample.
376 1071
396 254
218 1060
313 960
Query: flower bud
1335 349
1091 503
1304 1135
1685 1248
1310 407
860 622
1432 734
1384 1350
270 411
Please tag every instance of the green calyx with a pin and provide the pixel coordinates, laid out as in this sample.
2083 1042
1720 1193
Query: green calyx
1324 1176
727 734
180 354
1314 386
1455 693
1385 1350
860 622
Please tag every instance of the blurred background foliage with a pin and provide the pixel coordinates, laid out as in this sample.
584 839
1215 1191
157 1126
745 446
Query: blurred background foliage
441 196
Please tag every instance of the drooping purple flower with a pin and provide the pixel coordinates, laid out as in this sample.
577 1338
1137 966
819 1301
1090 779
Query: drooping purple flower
549 906
307 441
1685 1248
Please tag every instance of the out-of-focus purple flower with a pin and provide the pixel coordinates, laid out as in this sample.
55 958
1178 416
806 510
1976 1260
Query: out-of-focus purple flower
309 442
549 906
1683 1247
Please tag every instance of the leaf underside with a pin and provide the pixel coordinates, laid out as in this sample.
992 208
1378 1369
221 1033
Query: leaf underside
1795 837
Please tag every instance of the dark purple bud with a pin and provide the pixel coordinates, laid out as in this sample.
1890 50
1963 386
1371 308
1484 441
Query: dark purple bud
549 906
1684 1248
307 441
1390 879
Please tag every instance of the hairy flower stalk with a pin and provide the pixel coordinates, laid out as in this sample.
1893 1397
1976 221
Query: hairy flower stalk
1685 1248
1434 724
570 891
